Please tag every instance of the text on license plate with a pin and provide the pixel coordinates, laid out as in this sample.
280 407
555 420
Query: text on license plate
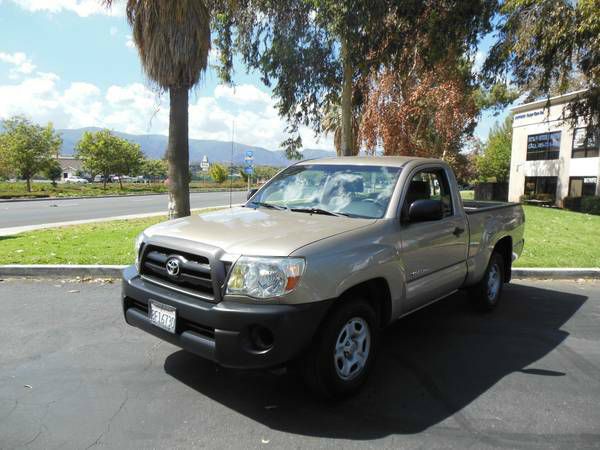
162 315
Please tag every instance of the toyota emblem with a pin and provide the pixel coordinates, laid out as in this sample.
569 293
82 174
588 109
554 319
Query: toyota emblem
173 267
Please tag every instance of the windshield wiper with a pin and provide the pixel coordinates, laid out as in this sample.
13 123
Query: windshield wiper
318 211
268 205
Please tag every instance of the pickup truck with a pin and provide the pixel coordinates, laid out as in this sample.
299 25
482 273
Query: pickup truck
317 262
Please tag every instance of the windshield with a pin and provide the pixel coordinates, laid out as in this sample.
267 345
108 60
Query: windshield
350 190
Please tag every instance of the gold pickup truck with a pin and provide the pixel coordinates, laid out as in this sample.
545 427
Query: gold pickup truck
317 262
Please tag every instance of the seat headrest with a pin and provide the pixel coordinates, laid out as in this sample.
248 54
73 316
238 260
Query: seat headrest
419 190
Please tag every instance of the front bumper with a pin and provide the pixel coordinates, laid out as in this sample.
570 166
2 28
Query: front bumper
224 332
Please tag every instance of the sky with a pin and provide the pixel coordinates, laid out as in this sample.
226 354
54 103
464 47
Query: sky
73 63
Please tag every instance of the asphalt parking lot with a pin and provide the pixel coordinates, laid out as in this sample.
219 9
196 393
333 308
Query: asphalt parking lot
73 375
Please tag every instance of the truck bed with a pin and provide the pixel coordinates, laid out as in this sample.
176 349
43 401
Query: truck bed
478 206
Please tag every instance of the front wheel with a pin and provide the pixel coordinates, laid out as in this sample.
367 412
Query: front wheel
341 356
486 294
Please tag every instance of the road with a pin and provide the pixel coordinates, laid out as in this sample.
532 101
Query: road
73 375
17 214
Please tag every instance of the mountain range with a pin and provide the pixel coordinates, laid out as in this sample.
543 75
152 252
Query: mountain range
154 145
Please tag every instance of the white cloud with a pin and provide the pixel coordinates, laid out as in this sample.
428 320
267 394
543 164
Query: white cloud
20 62
250 112
134 108
36 96
242 94
129 41
83 8
478 60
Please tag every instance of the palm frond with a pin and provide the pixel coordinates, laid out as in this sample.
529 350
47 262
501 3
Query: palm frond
172 38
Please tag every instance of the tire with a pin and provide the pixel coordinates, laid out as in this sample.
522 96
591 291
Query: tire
341 356
486 294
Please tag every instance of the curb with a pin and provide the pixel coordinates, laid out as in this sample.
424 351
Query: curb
41 199
569 273
60 271
114 271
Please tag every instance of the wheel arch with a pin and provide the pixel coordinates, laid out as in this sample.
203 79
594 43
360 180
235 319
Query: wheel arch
504 247
377 292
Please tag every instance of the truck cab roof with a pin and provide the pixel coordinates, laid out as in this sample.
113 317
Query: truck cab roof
392 161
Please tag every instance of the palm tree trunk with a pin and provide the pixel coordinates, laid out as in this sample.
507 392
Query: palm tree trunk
178 155
346 102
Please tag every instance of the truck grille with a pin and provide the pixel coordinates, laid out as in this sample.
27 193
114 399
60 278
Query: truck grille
179 270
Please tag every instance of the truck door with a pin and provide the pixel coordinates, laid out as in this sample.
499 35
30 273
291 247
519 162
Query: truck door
434 252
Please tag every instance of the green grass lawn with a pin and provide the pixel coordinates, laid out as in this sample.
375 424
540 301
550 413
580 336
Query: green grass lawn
553 238
43 190
101 243
467 195
560 238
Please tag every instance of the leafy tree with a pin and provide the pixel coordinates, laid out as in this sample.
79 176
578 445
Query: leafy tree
173 41
316 52
129 160
424 113
154 169
5 170
105 154
243 174
547 47
218 172
264 173
332 124
495 161
28 148
53 171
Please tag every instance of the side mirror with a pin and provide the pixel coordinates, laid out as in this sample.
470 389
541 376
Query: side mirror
251 192
425 210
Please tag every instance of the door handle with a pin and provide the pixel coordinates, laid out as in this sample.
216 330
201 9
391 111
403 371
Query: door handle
458 231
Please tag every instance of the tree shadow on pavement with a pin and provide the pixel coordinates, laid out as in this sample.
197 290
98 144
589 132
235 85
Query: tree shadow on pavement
430 366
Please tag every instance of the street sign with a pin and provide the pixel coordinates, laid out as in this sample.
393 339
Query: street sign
248 170
249 154
205 165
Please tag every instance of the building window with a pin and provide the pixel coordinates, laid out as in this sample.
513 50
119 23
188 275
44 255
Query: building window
543 146
585 143
539 187
582 186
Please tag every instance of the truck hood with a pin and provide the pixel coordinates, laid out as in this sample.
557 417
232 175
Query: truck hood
260 232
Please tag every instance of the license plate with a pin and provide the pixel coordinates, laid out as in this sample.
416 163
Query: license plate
163 316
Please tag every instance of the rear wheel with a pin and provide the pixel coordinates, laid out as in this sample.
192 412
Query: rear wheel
486 294
341 356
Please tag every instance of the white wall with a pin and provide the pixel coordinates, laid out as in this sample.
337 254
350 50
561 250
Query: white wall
541 120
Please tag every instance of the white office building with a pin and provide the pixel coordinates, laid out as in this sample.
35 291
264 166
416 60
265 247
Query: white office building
551 157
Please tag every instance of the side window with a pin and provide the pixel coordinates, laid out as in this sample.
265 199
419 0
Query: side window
429 184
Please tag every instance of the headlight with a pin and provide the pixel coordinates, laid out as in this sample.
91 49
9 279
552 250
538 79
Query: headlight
136 248
264 277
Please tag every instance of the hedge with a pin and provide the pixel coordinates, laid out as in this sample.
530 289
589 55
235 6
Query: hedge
588 204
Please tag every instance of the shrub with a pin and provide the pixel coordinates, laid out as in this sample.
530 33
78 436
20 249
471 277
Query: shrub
540 197
591 205
572 203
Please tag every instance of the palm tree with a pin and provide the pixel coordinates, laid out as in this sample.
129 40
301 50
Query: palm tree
332 124
173 41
